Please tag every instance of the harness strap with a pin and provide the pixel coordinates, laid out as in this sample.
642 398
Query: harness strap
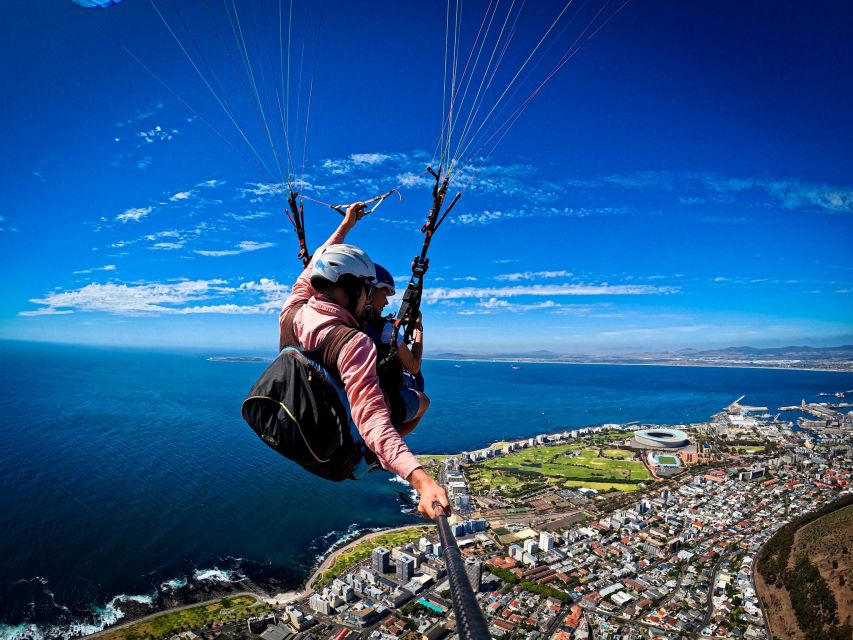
327 352
330 348
288 333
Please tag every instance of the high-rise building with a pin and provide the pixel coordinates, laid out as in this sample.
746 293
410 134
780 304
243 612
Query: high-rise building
405 568
474 571
320 604
546 541
530 546
381 560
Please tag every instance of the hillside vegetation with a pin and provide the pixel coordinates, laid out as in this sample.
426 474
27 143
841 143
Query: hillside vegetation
807 568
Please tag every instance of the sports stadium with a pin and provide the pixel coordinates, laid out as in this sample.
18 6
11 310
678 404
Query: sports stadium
660 439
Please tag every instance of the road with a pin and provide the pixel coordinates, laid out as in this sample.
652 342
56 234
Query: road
709 611
151 616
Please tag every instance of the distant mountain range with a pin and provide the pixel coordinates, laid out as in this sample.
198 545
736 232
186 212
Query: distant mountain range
793 357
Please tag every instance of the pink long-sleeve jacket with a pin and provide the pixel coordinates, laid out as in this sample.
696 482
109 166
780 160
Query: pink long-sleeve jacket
357 365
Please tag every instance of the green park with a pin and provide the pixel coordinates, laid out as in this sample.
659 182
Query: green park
172 622
351 556
566 466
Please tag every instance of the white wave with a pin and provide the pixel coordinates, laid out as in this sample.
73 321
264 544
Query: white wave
147 599
218 575
29 631
339 539
21 631
41 579
396 478
174 583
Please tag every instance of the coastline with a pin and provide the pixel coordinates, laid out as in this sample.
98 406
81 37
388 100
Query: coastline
330 558
639 364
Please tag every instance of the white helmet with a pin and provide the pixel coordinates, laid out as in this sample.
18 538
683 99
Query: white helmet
337 260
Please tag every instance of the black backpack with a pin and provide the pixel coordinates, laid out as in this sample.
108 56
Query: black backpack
299 408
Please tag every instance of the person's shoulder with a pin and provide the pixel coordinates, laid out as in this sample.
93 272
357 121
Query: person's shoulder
358 340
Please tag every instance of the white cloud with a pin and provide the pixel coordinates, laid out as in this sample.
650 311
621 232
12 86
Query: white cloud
143 164
133 299
167 246
248 216
699 188
156 134
724 220
355 160
369 158
134 214
142 114
251 245
262 190
170 233
493 305
532 275
181 196
182 297
217 253
656 331
243 247
211 184
435 295
106 267
489 217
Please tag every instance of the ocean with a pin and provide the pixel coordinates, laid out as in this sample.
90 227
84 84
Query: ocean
129 475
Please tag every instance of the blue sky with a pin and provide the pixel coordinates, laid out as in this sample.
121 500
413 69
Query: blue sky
683 181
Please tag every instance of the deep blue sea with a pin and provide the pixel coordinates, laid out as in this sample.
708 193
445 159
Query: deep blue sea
130 472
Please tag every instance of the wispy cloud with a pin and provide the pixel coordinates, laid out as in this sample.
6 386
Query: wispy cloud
725 220
490 217
156 134
261 190
183 196
134 215
532 275
656 331
354 161
166 246
243 217
181 297
703 188
493 305
243 247
106 267
142 114
437 294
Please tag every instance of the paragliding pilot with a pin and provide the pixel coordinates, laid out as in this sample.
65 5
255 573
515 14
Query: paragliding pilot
320 402
399 376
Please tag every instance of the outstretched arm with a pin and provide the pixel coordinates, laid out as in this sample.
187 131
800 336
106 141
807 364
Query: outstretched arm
302 289
430 492
355 212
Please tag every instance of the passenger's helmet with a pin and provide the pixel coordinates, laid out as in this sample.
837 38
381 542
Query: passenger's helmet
336 260
384 279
